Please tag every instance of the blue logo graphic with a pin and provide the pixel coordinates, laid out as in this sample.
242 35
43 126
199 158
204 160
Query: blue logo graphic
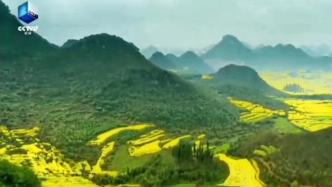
27 13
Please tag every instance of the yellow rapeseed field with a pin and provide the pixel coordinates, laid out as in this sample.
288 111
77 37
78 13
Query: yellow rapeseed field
206 77
45 160
175 142
254 112
26 132
200 140
48 162
101 139
149 137
146 149
242 172
97 168
312 83
311 115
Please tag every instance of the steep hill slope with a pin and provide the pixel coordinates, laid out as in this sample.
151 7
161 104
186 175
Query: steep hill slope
244 83
242 76
15 45
95 83
297 158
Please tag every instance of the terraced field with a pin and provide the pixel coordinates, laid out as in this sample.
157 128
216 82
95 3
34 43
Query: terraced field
175 142
311 115
22 147
243 172
253 113
102 138
152 143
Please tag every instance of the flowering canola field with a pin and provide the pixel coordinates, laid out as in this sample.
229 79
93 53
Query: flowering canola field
311 115
146 138
97 168
50 164
146 149
106 135
312 83
243 173
153 142
253 112
43 158
175 142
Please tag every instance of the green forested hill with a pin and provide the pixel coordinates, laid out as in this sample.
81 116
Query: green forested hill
14 45
242 76
93 84
243 83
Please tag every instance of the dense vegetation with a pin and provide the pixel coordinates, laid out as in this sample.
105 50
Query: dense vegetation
251 95
303 159
12 175
91 85
243 83
14 45
243 76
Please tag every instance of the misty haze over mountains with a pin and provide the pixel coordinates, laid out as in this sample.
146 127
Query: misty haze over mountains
317 50
98 111
312 50
230 50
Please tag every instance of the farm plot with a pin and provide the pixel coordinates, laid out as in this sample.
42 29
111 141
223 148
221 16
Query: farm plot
310 115
22 147
242 172
253 113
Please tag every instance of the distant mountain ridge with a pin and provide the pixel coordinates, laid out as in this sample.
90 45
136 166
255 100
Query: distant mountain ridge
149 51
281 51
188 62
281 56
229 48
162 61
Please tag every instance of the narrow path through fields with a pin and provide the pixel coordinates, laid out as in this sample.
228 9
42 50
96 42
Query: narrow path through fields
243 173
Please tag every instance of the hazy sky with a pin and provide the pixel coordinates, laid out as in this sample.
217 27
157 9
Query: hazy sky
186 24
